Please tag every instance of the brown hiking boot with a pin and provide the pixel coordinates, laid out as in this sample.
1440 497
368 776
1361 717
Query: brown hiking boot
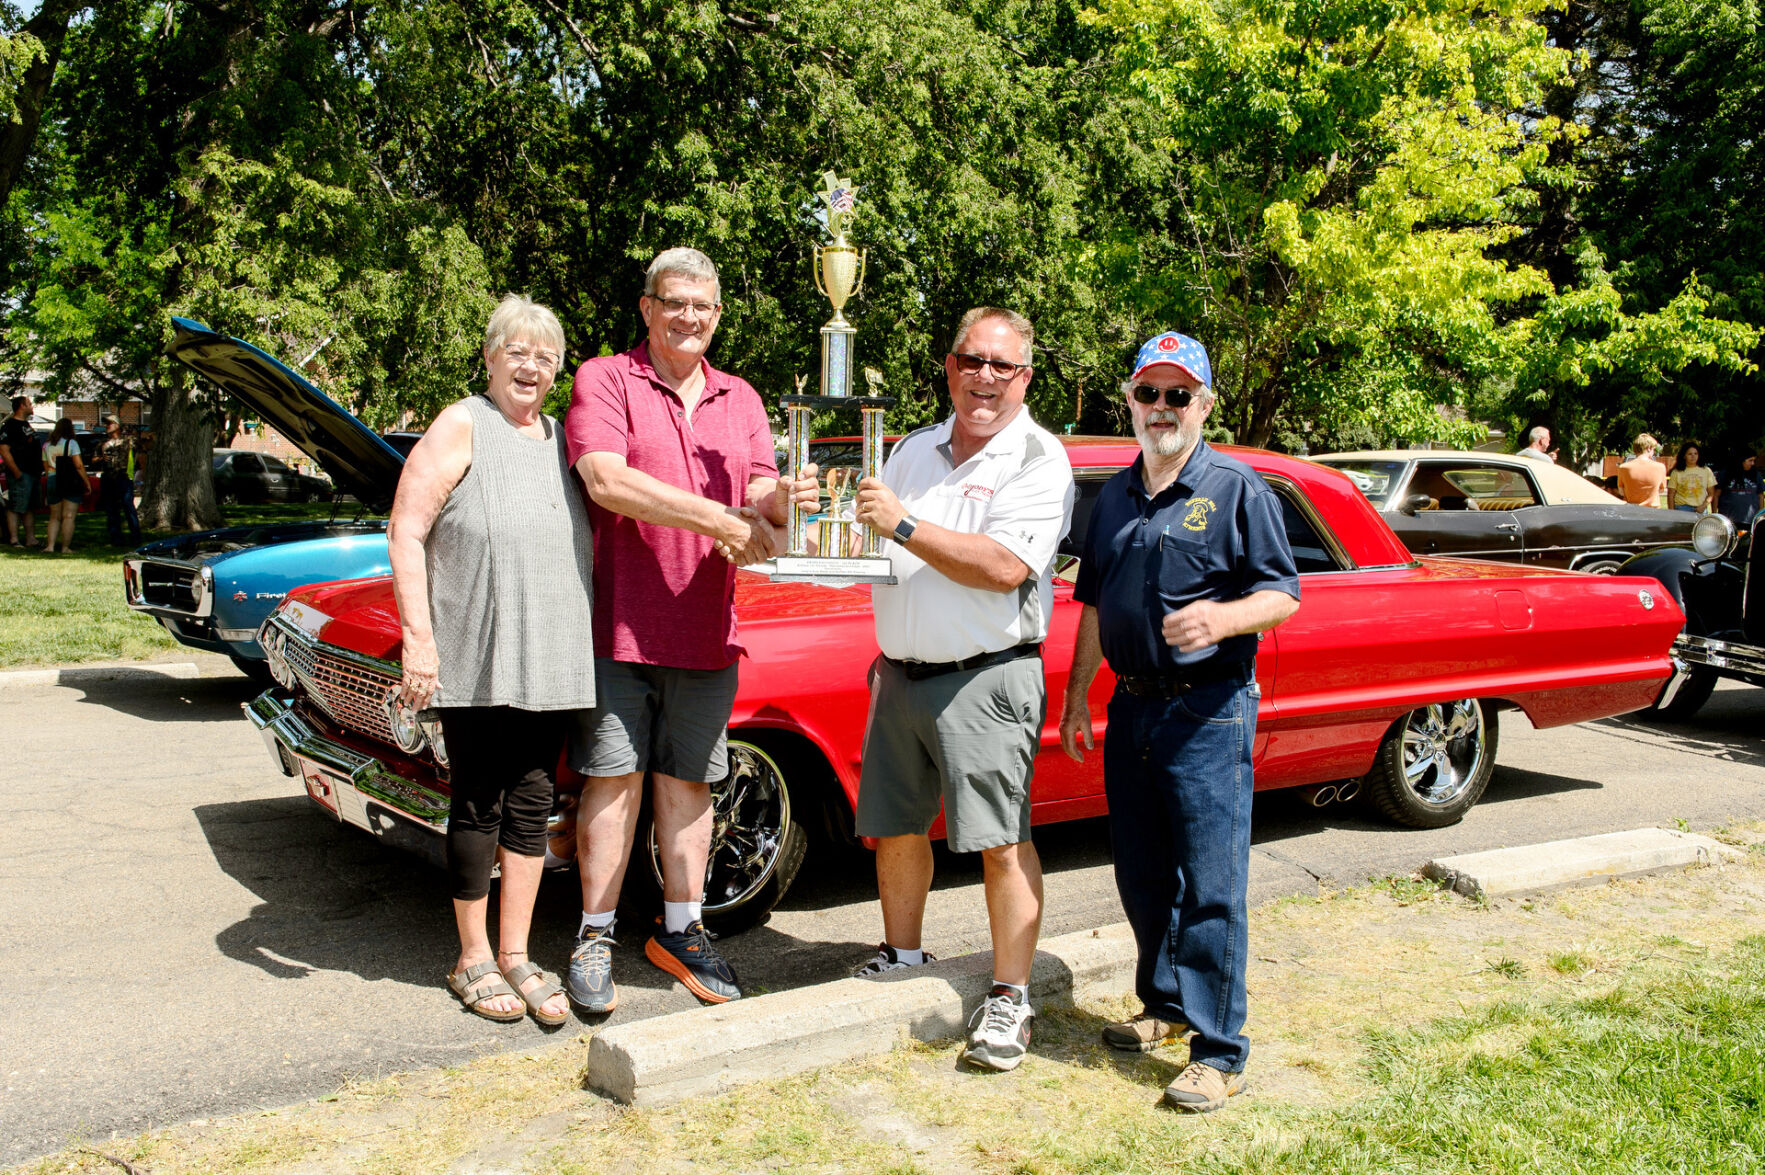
1203 1089
1142 1033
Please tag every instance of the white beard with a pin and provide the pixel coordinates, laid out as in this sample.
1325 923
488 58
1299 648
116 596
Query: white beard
1166 444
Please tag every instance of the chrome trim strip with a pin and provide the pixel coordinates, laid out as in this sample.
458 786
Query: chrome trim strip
1681 674
282 727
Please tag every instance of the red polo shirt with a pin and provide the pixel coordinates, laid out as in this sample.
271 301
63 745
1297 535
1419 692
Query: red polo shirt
662 595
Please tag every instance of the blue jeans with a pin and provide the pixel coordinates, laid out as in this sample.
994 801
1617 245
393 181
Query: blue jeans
117 492
1177 773
1689 509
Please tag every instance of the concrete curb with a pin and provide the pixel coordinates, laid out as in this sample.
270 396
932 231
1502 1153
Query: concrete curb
82 674
704 1051
1588 860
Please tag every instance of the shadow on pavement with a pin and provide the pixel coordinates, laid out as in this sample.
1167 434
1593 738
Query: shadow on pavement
166 699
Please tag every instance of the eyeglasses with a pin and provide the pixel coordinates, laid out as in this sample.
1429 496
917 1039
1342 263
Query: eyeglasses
1148 395
1001 368
520 357
675 307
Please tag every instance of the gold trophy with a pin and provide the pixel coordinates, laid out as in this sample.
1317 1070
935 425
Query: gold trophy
839 274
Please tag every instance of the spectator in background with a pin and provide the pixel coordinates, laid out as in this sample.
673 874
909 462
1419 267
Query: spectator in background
1538 443
67 486
1689 486
1642 478
116 488
23 458
1740 490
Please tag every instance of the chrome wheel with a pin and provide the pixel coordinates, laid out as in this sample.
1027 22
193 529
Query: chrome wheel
1442 750
1434 764
751 833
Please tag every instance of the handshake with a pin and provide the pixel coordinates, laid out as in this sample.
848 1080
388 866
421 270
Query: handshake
756 532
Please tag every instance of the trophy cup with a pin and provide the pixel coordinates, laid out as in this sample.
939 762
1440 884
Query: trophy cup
839 274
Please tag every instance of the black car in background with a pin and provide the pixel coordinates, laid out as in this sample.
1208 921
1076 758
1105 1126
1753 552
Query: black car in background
1723 597
243 476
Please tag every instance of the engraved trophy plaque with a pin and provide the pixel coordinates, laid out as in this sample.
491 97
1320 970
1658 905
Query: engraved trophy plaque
839 274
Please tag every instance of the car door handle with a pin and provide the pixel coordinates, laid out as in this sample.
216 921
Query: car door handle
1507 526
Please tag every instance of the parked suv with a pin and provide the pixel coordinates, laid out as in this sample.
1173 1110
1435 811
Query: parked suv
243 476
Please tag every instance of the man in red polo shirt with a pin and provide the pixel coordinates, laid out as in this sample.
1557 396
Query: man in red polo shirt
683 487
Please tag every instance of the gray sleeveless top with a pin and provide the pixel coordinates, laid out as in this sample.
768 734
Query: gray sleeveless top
511 574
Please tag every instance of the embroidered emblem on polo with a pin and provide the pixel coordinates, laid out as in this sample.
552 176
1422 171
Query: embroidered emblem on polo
1195 518
977 491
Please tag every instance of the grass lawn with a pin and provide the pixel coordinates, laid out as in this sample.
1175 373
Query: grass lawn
64 609
1396 1028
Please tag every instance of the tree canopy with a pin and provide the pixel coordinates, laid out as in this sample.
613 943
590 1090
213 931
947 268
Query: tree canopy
1374 214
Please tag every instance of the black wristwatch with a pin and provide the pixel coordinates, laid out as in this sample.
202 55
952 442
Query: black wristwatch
904 529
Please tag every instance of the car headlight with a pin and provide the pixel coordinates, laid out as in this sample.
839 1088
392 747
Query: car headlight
1712 536
430 722
275 646
407 732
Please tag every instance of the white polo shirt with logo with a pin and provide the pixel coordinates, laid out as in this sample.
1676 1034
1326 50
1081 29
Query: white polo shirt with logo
1018 491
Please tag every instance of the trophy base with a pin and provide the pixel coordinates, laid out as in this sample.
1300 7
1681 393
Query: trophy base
829 571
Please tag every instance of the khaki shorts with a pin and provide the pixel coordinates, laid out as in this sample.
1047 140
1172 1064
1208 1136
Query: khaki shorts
656 718
967 740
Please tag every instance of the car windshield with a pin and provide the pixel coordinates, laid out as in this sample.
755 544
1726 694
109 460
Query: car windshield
1376 479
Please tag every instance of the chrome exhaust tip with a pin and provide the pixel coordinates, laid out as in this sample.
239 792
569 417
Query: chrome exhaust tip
1319 794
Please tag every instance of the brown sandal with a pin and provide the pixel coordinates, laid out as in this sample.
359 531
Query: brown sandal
536 999
472 993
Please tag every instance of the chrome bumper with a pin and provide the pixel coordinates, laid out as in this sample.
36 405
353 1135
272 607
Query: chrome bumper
356 788
1747 661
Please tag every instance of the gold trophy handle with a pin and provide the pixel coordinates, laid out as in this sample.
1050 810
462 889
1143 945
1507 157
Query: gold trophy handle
863 254
815 271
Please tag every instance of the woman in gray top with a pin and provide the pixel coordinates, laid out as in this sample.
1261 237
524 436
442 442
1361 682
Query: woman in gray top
492 568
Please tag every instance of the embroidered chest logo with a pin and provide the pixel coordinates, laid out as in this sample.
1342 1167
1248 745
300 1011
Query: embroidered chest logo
977 491
1195 517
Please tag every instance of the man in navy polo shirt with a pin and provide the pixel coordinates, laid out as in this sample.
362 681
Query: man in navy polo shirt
1186 560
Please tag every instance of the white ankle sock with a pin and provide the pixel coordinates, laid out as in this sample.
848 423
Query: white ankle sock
912 958
596 921
1020 990
677 916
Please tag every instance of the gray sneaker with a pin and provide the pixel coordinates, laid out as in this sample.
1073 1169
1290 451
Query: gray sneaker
1001 1033
590 979
886 960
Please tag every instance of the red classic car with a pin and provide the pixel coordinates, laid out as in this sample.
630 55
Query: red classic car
1390 677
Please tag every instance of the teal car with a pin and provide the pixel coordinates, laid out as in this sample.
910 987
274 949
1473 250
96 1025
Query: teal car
212 589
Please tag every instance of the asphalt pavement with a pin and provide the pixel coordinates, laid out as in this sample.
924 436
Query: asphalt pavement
189 936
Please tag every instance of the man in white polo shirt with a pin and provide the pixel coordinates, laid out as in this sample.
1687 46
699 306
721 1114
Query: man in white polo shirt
974 508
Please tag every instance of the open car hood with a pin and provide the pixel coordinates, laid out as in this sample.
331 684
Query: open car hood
356 460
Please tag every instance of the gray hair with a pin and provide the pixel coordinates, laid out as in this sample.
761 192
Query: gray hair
518 317
682 262
1538 433
1010 318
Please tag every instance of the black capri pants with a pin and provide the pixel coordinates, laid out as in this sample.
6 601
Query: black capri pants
503 773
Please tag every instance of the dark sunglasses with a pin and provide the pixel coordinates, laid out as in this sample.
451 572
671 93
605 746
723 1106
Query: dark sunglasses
971 365
1175 397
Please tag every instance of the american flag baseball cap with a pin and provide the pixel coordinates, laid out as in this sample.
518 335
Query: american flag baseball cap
1179 351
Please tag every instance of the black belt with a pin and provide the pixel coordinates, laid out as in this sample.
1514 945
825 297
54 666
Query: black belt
920 670
1175 685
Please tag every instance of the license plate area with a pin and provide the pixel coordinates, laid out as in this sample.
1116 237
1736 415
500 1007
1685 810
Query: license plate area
335 794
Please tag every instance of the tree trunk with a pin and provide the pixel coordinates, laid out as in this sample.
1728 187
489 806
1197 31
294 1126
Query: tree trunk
178 493
50 27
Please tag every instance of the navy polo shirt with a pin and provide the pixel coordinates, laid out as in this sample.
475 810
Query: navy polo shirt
1216 533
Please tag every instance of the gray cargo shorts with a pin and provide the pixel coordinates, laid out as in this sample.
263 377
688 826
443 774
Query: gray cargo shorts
656 718
967 739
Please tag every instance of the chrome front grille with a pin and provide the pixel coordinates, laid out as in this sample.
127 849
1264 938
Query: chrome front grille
168 587
348 691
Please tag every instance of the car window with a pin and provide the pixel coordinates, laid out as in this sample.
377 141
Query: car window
276 465
1488 487
1378 480
1087 484
1310 552
220 461
247 463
